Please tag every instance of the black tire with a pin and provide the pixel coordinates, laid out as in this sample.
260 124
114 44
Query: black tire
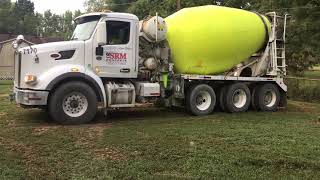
193 99
261 97
61 101
253 99
240 93
220 97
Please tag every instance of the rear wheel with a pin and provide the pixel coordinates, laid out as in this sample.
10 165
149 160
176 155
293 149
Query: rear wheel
266 97
201 100
73 103
237 98
221 97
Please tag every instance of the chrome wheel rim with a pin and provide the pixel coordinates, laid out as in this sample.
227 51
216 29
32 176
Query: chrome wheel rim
75 104
239 98
203 101
270 98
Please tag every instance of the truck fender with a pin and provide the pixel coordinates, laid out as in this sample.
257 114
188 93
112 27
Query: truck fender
59 74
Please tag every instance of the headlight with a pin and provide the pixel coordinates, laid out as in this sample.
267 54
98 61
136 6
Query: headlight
15 45
20 39
30 79
17 42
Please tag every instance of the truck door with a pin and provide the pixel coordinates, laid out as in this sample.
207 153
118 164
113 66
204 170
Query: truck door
118 60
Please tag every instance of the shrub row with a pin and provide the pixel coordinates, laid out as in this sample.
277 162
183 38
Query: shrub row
303 89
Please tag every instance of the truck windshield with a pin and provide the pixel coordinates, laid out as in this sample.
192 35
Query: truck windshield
85 27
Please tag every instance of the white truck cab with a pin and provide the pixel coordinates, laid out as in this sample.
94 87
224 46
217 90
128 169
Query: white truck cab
114 61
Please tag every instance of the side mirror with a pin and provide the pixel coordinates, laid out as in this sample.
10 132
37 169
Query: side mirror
99 51
101 34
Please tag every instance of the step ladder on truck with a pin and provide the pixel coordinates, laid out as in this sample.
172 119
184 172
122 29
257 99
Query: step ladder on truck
278 47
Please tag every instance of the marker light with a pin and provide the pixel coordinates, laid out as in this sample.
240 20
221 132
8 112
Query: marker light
97 69
30 79
74 69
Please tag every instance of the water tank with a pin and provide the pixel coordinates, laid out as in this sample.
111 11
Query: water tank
154 29
213 39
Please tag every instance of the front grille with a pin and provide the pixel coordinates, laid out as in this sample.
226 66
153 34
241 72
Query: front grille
17 69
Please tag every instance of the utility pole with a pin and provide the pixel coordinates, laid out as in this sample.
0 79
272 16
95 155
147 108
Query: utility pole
178 5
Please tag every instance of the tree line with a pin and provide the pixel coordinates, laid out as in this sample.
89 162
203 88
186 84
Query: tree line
303 45
303 48
20 18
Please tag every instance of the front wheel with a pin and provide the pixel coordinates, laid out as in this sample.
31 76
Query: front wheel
73 103
201 100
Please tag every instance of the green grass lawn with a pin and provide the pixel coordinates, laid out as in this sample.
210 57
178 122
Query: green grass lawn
317 68
161 144
6 82
315 74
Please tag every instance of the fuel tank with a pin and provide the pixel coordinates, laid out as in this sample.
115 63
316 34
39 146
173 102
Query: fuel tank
213 39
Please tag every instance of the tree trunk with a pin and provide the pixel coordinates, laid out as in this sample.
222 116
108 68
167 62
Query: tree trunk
178 5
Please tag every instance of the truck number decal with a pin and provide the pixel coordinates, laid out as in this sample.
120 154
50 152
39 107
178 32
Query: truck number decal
116 58
30 51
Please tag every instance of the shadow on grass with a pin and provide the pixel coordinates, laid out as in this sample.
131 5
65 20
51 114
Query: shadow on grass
37 117
153 113
41 117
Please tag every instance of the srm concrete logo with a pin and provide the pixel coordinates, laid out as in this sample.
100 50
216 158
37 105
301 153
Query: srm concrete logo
116 58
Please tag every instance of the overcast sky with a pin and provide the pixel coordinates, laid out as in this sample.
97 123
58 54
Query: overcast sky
58 6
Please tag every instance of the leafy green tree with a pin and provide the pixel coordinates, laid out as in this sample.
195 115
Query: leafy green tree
52 24
95 5
77 13
303 33
5 8
68 27
23 18
23 8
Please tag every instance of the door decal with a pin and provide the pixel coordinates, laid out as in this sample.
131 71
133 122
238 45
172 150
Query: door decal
115 58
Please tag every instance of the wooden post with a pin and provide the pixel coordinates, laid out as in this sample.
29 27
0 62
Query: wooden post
178 5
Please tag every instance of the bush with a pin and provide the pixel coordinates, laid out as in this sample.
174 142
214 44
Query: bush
303 89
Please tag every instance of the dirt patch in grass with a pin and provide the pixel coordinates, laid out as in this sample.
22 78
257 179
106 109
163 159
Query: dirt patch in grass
109 154
316 121
89 137
28 153
42 130
96 131
290 163
90 134
303 107
173 175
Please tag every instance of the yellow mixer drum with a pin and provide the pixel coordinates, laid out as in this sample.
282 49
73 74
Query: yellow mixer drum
213 39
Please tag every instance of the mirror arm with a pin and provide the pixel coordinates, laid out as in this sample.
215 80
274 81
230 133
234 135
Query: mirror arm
100 44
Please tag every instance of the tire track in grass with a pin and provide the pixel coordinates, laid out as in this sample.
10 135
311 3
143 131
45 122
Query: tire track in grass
89 137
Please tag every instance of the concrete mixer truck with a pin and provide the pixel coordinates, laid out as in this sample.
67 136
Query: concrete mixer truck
201 58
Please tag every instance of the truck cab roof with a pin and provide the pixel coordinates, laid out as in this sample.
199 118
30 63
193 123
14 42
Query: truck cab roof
111 15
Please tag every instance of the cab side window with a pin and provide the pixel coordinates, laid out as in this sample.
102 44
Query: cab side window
118 32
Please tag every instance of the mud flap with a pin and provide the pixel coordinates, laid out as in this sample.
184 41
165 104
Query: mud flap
283 99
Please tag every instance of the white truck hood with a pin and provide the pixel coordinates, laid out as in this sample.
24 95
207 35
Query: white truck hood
55 46
38 60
